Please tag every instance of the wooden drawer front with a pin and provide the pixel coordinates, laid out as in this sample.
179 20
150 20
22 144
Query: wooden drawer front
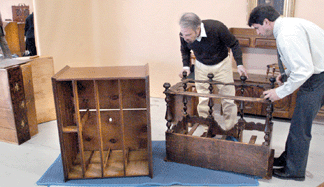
19 103
265 43
244 42
243 31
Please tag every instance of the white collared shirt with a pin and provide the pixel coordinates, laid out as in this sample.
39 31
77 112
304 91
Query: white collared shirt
202 32
301 47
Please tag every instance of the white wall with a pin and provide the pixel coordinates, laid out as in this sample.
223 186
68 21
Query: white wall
125 32
136 32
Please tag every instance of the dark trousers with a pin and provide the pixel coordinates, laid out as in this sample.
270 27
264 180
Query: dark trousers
31 46
310 98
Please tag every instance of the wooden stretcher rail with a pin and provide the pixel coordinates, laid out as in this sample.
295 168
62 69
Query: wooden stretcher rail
114 109
217 96
191 81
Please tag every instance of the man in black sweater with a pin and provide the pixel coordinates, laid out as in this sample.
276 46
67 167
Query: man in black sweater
209 40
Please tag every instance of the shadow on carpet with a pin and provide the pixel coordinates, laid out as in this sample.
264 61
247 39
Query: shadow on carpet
164 174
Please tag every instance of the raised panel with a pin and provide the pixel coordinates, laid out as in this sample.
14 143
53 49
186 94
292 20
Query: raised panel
248 37
244 42
265 43
243 31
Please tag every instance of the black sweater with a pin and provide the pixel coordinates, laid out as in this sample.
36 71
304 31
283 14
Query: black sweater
212 49
29 26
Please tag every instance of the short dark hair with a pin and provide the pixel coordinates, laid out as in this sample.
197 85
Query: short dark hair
261 12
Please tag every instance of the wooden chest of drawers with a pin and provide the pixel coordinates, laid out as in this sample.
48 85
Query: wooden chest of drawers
248 37
103 116
283 108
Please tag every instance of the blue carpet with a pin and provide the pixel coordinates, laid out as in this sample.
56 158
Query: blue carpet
164 174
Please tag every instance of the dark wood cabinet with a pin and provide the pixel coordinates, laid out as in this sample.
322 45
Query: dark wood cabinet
103 116
20 12
283 108
248 37
17 104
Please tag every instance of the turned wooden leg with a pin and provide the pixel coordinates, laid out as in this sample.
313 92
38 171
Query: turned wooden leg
168 115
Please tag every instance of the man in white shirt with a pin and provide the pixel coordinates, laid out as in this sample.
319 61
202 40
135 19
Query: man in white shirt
300 44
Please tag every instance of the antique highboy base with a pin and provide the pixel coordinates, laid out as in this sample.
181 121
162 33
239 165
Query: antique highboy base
103 116
212 149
